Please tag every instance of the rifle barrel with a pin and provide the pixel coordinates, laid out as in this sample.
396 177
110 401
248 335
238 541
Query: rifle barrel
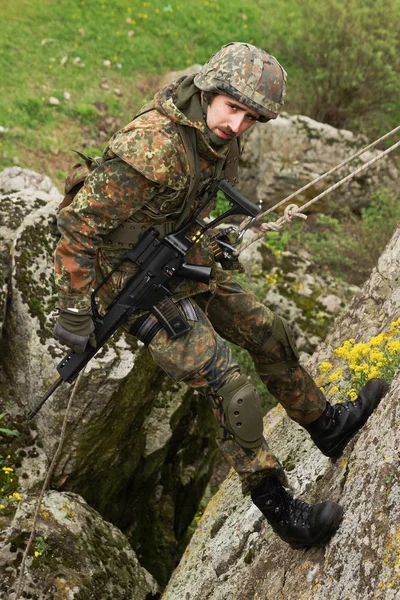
43 399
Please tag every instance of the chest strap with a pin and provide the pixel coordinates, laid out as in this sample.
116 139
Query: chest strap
127 234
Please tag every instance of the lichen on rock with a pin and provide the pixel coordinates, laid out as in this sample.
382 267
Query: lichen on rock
75 554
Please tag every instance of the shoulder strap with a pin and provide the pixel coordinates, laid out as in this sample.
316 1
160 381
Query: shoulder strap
188 136
231 170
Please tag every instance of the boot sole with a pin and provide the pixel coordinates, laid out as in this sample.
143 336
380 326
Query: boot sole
325 535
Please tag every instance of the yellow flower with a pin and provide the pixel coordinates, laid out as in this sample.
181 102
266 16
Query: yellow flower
353 394
2 506
376 356
344 350
377 340
17 496
395 324
374 372
341 352
359 351
393 347
37 553
335 376
325 367
334 389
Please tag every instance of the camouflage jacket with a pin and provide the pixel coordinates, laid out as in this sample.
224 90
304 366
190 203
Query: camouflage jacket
144 179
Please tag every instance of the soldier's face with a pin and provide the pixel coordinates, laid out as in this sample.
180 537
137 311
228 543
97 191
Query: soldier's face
228 118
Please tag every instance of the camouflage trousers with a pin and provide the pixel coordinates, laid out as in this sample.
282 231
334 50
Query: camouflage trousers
203 359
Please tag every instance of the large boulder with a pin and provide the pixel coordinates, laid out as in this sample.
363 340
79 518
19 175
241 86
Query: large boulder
235 554
22 192
286 154
75 554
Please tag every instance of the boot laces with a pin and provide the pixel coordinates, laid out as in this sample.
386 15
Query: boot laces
299 511
347 406
293 510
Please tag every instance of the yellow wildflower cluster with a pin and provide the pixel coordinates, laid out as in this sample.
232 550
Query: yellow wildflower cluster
271 280
41 546
379 357
8 483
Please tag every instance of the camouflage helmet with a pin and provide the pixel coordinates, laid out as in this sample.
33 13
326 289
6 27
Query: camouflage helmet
248 74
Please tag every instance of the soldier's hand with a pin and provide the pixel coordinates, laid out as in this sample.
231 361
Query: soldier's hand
74 328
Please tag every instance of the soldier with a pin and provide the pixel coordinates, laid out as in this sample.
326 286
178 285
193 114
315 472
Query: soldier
153 173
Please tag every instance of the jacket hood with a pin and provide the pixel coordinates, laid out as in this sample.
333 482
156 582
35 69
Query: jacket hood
180 102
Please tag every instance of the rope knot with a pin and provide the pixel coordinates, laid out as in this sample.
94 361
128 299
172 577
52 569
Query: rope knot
270 226
291 211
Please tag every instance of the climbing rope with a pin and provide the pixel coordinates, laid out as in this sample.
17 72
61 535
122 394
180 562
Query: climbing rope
50 471
292 210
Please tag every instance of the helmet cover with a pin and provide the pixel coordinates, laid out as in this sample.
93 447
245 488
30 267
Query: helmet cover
248 74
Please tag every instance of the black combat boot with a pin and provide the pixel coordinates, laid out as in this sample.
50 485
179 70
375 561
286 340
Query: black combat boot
336 426
299 524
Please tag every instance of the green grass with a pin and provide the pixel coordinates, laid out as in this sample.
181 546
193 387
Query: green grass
48 48
52 48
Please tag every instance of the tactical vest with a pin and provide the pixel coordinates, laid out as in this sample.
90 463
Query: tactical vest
128 232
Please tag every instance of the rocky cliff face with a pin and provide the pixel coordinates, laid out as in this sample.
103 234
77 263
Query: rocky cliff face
234 554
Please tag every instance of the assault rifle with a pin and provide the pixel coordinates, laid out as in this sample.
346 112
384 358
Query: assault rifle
158 261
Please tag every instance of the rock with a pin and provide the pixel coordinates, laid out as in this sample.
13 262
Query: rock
288 153
75 554
361 561
173 75
292 286
22 192
16 179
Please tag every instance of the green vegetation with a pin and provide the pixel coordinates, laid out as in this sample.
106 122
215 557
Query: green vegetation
350 245
345 62
73 72
41 546
5 430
